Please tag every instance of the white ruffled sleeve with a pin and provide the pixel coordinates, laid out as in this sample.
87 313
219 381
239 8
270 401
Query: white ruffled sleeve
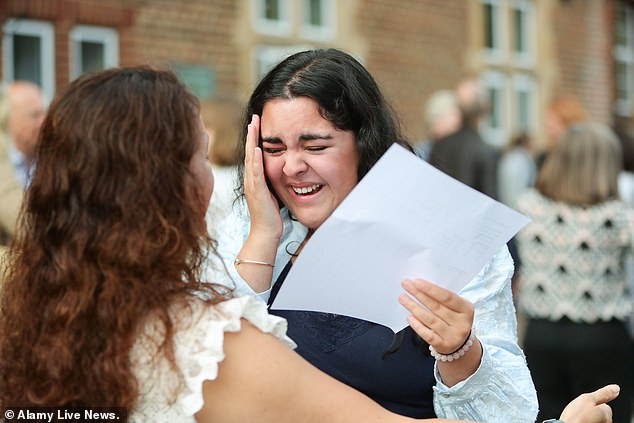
501 389
198 350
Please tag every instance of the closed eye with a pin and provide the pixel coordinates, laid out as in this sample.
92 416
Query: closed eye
272 150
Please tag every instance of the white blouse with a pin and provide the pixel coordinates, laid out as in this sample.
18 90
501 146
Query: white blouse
198 349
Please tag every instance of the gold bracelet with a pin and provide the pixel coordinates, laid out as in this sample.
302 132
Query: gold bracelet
240 261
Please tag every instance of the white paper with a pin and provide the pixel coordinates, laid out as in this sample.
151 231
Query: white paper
404 220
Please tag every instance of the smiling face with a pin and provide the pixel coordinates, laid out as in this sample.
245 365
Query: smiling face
311 165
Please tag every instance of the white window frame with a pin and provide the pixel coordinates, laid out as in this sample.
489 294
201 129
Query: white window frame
498 81
327 30
32 28
625 55
523 83
266 57
497 53
527 57
281 27
107 36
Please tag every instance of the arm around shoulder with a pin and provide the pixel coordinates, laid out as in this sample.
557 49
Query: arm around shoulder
262 380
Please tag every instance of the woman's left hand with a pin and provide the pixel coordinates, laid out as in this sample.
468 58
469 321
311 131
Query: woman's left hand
442 318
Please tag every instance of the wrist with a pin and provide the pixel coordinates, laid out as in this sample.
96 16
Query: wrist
455 355
265 236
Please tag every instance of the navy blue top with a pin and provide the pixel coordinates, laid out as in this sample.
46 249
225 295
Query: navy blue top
358 353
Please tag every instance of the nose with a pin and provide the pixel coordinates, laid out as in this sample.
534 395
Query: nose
295 164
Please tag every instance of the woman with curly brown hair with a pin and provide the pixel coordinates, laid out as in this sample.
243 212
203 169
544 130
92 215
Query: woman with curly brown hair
103 303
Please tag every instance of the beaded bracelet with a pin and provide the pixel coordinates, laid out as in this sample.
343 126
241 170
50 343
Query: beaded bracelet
456 354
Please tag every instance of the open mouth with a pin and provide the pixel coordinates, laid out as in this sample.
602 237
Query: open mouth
312 189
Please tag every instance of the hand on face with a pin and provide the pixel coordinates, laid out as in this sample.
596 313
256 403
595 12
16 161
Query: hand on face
263 209
442 318
591 407
311 164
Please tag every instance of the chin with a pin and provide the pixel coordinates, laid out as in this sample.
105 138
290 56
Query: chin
310 223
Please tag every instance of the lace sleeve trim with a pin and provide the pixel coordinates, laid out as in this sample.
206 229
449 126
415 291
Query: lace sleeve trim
199 349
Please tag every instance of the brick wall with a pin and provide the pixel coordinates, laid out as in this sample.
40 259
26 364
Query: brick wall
414 48
583 42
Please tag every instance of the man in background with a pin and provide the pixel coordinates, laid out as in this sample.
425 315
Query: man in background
22 110
463 154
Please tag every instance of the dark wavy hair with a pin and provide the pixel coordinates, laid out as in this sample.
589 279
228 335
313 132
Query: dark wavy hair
347 95
111 231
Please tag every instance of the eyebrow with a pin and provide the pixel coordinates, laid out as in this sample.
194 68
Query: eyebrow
309 137
304 137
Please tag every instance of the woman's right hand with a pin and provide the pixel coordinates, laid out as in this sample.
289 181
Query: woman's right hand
265 220
263 206
591 407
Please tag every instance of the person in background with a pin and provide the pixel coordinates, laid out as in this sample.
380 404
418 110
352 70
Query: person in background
317 123
517 170
22 109
573 287
624 129
464 155
441 117
224 123
562 111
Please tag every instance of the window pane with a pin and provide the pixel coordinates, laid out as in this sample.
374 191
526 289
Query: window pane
494 116
489 22
27 64
315 13
520 30
92 56
272 10
623 84
523 110
621 27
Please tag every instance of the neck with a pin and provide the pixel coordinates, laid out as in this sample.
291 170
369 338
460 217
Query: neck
301 246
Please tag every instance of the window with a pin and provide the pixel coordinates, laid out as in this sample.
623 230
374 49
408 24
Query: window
271 16
495 126
508 53
92 48
522 25
493 36
525 105
267 57
319 19
624 58
28 53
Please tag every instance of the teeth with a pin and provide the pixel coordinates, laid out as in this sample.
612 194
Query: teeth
306 190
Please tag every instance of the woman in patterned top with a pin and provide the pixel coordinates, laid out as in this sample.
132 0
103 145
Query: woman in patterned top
573 287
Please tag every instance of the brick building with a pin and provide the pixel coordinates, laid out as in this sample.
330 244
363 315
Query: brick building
526 51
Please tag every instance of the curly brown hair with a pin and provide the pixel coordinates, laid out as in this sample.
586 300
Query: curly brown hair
109 234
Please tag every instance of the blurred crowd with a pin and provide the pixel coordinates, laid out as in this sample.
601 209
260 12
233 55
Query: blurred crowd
574 276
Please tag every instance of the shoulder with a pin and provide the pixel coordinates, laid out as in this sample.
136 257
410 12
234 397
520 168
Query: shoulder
199 348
